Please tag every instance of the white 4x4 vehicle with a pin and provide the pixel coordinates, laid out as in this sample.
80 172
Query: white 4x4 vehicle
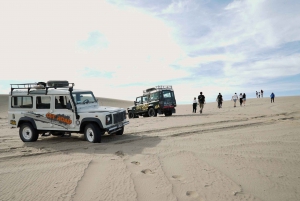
56 108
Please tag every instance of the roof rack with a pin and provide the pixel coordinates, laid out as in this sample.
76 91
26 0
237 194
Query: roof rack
38 85
159 87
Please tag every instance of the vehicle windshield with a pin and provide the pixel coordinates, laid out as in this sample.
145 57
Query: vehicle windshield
84 97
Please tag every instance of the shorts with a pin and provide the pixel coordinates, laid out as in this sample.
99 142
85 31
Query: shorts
244 99
234 100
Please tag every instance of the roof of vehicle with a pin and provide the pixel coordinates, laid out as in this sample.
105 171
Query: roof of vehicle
50 92
52 87
158 88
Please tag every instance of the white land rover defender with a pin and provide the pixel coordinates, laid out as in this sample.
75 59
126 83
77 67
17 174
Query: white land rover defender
55 108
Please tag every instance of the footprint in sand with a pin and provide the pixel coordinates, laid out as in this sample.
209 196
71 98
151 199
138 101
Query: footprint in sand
192 194
135 162
147 171
178 177
119 153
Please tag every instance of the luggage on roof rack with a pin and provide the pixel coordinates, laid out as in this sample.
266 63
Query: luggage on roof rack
58 83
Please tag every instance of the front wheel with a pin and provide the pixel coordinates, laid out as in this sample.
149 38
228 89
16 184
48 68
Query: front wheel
92 133
130 115
28 133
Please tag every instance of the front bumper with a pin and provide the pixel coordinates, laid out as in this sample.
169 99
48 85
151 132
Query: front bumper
116 127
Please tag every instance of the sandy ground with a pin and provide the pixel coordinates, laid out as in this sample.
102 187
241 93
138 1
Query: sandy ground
243 153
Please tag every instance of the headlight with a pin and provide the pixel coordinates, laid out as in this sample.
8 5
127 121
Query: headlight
108 119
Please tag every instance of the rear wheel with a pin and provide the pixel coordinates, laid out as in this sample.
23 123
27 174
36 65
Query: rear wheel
28 133
120 132
92 133
169 113
151 112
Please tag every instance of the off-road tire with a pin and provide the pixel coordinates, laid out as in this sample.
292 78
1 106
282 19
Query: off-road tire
151 112
28 133
120 132
92 133
130 115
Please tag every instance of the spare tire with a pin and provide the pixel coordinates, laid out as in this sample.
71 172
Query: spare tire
58 83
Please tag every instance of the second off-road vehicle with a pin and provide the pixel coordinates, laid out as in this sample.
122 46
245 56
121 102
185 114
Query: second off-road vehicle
155 100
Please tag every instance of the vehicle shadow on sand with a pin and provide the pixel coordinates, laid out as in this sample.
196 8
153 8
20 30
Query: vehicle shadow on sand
110 144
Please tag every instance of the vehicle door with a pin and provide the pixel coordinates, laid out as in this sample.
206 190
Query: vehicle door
62 117
42 108
168 98
138 104
145 105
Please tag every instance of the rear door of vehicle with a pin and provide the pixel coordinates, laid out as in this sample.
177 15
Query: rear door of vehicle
168 98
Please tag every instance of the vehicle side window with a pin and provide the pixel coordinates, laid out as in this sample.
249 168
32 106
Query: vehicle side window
145 99
21 101
61 102
43 102
154 96
138 100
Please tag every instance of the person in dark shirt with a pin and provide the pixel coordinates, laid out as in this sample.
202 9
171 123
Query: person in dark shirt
201 100
244 99
219 100
272 97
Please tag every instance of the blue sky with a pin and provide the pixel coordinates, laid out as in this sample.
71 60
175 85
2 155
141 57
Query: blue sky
119 48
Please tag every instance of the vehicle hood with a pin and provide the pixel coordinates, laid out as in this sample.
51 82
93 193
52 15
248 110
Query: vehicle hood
95 109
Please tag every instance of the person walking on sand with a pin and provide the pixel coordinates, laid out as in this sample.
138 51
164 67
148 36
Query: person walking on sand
201 100
256 94
234 98
219 100
244 99
194 105
241 99
262 93
272 97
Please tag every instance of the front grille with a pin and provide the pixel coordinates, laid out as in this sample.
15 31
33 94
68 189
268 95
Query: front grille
119 117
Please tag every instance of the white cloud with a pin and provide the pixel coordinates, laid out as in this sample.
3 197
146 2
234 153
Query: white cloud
49 40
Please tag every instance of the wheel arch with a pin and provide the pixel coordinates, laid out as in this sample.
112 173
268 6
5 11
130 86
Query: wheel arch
26 120
86 121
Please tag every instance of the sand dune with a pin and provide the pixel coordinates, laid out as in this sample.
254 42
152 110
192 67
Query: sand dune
243 153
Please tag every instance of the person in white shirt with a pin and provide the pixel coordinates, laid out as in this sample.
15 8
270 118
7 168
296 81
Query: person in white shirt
194 105
234 98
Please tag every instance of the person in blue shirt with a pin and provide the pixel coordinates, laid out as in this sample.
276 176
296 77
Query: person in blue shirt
272 97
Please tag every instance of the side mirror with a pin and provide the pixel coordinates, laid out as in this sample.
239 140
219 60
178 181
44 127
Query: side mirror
134 102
